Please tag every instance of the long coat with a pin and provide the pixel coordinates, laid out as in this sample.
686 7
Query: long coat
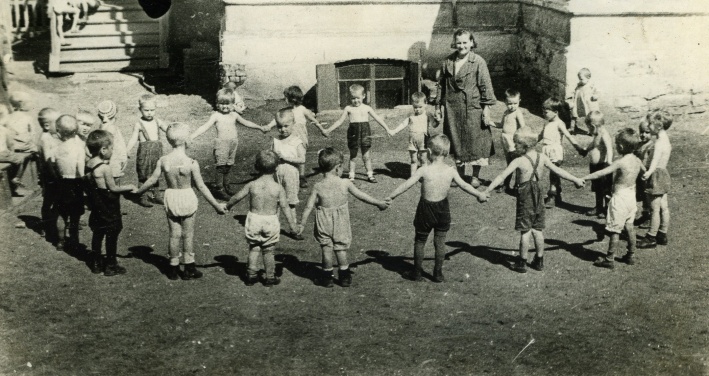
463 95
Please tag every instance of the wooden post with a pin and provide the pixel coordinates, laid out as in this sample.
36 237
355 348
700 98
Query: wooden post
164 40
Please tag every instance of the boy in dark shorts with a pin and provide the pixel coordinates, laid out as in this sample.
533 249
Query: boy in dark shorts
433 212
530 198
359 135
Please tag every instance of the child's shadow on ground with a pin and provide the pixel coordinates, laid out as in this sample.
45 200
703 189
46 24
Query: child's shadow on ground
231 266
575 249
395 264
33 223
572 207
598 228
395 170
303 269
146 255
492 255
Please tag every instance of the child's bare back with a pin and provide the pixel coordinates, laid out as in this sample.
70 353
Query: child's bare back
332 191
265 195
437 178
177 170
626 174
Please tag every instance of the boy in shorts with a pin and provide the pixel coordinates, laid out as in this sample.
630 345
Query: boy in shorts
332 216
530 198
291 153
262 227
47 177
512 120
419 124
433 211
359 135
622 206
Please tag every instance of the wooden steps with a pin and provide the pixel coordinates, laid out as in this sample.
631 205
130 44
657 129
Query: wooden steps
117 36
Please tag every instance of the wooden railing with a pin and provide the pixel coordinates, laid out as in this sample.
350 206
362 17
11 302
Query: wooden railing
24 18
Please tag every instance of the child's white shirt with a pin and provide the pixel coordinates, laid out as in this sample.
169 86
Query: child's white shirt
151 128
583 103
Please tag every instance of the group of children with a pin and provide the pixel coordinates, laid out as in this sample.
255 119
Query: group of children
78 163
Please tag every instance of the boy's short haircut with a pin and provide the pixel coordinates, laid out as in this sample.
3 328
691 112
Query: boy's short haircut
177 134
356 89
660 117
98 139
19 100
225 96
553 104
460 32
585 72
66 126
644 124
285 116
627 141
107 108
86 117
329 158
145 99
294 95
512 93
266 162
525 138
595 118
418 97
48 114
439 145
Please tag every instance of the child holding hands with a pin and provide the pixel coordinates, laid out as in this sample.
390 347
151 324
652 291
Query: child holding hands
107 111
512 120
359 135
433 212
530 207
600 152
262 227
181 173
332 217
291 153
419 125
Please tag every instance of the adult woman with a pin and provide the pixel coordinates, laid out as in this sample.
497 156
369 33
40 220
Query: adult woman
465 90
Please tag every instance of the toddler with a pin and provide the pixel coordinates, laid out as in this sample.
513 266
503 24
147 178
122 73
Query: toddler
294 98
530 208
419 124
262 227
584 100
107 111
551 137
512 120
359 135
86 122
180 171
226 141
600 153
433 212
48 141
239 104
21 124
644 152
657 180
146 132
622 207
332 217
104 197
291 153
18 161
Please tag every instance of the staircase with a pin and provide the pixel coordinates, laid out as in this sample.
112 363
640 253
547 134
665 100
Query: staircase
118 36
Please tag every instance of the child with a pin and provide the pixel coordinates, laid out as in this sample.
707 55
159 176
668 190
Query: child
657 180
291 153
621 208
60 9
48 141
104 197
433 212
420 122
107 111
18 161
294 98
21 124
512 120
552 147
146 132
332 217
239 104
644 152
68 159
584 101
86 122
359 135
600 152
262 226
530 208
179 172
227 140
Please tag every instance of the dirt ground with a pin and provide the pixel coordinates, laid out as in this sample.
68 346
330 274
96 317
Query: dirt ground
56 318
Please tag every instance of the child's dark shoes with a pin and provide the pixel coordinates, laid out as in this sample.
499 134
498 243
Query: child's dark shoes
173 273
627 259
345 278
537 263
414 275
269 282
191 272
602 262
661 238
647 242
250 280
520 265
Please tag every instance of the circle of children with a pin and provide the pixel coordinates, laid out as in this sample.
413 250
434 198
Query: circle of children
76 160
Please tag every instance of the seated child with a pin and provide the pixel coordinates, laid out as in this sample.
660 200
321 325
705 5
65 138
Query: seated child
262 226
512 120
179 172
21 124
104 197
622 207
47 177
433 212
18 161
332 216
224 120
107 111
146 132
69 161
600 152
584 100
359 135
420 122
530 207
291 153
